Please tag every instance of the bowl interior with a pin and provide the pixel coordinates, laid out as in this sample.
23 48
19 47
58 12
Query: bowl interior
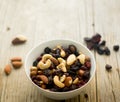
36 51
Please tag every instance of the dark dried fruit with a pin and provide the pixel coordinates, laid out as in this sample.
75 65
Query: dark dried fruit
35 81
67 74
108 67
87 39
96 38
84 68
55 55
71 72
86 95
74 68
54 90
88 64
107 51
77 63
90 45
72 48
102 43
52 66
33 77
73 87
39 58
116 48
76 53
35 63
100 51
50 80
86 75
42 54
57 51
58 72
96 47
47 72
65 89
47 50
8 28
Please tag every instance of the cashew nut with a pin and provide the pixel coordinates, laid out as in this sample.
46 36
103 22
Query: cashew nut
46 56
61 60
62 67
62 64
75 81
62 78
62 52
45 65
58 82
45 62
71 59
81 58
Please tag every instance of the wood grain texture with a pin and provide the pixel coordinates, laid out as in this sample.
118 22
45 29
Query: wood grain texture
41 20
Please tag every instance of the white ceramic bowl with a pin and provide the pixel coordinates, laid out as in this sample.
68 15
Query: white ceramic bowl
36 51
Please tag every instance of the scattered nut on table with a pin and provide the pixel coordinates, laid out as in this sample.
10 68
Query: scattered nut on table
19 39
16 59
7 69
16 62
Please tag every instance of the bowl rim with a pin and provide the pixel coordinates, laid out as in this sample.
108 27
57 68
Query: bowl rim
66 92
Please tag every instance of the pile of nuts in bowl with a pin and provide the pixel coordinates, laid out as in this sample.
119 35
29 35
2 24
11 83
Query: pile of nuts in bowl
61 69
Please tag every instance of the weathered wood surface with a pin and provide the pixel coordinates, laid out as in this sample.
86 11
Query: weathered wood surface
41 20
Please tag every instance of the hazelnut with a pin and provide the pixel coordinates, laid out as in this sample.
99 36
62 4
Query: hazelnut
68 81
81 72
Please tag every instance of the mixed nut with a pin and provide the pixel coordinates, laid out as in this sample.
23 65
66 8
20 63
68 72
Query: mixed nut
61 69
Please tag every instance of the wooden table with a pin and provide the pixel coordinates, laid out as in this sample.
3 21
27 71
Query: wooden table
41 20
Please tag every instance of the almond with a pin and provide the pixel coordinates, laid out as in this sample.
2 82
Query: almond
17 64
43 78
16 59
54 60
68 81
7 69
19 39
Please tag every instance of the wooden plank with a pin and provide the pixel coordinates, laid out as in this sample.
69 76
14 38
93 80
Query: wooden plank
107 23
86 29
